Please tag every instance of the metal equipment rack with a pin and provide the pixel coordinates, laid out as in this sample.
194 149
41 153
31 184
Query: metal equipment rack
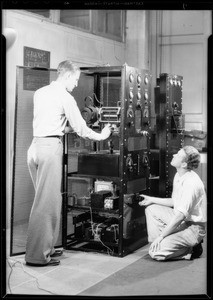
170 124
103 180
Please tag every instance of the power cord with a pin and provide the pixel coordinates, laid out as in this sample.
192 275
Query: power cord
95 233
36 279
97 99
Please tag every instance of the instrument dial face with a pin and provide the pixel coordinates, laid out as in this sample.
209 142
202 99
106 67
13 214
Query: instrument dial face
130 113
131 77
139 95
131 95
146 96
146 80
139 79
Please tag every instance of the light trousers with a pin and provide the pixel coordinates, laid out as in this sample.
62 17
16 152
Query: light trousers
45 166
177 245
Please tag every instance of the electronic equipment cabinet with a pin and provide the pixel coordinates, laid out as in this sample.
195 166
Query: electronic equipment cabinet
104 179
170 124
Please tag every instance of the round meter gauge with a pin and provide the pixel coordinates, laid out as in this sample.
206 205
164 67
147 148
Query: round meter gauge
146 80
139 79
139 95
131 95
146 96
131 77
130 113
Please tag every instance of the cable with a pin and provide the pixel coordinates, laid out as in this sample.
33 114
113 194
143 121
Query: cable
8 280
36 279
109 250
97 99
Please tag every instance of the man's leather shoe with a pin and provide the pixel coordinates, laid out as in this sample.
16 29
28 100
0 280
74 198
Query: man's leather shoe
57 253
52 262
197 251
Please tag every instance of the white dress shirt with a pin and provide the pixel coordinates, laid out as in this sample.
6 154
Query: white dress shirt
53 106
189 196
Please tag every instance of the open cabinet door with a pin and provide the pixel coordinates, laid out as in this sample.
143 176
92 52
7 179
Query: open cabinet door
28 80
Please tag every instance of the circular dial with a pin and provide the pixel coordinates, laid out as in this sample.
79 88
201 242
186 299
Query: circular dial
146 79
131 95
139 79
131 77
146 96
139 95
130 112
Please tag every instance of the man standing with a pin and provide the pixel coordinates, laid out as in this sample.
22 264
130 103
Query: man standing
176 226
53 107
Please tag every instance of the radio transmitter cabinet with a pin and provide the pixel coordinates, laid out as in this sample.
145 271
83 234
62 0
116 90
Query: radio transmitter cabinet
170 124
104 180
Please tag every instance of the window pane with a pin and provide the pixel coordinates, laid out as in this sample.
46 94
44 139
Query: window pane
42 12
109 22
113 22
76 18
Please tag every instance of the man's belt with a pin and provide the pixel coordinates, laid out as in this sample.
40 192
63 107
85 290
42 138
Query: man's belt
54 136
51 136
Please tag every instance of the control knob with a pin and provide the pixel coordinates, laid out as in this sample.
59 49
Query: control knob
129 163
144 133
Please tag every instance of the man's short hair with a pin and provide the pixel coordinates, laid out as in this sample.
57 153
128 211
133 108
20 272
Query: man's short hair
192 157
67 66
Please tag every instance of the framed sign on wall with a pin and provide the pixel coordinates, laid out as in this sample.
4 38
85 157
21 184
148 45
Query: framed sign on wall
36 58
